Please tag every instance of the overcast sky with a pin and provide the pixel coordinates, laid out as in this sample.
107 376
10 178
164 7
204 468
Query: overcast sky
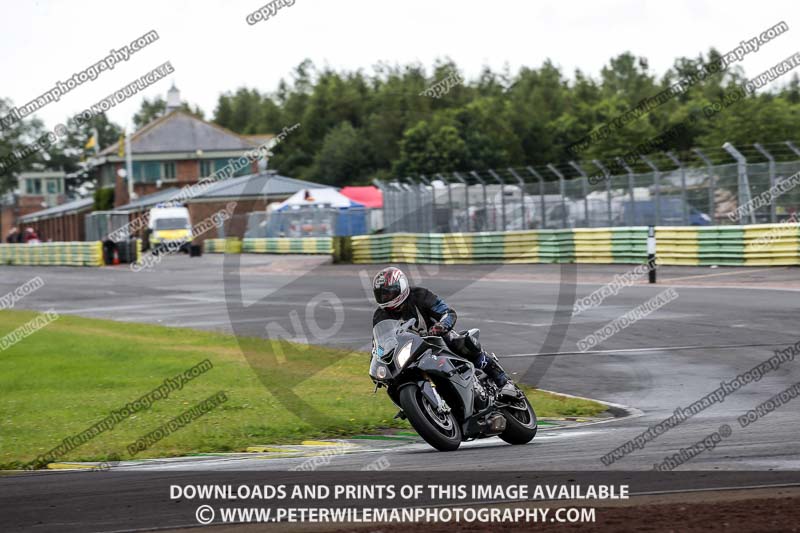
213 49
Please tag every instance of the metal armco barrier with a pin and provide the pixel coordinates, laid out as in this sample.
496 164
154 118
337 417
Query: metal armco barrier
277 245
756 245
53 254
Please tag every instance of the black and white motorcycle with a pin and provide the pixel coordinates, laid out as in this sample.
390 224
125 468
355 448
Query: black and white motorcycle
442 394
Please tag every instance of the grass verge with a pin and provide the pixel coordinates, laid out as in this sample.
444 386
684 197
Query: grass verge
70 375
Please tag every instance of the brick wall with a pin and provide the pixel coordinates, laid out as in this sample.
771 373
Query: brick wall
187 171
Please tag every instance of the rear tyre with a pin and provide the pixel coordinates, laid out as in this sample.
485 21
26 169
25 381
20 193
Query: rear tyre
441 431
521 423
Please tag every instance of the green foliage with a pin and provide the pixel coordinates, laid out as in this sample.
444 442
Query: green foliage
104 199
343 157
356 127
15 137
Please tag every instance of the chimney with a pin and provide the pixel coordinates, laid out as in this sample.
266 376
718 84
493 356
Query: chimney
173 99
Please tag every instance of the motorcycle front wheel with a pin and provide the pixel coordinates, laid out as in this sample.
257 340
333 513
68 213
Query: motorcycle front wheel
521 423
440 430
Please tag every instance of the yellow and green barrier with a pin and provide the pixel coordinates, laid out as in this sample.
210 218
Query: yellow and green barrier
53 254
305 245
278 245
616 245
754 245
231 245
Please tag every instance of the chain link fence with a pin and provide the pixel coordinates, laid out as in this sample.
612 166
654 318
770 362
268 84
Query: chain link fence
526 198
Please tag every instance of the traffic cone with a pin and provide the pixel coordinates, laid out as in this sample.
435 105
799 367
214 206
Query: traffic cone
116 257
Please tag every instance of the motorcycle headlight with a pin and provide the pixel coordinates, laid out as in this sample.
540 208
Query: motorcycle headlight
404 354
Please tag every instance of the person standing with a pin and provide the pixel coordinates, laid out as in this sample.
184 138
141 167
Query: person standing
14 236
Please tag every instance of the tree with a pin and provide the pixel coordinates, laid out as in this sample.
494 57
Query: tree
498 119
71 154
13 138
344 158
428 150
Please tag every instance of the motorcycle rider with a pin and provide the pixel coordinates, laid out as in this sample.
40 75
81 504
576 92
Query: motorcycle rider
398 301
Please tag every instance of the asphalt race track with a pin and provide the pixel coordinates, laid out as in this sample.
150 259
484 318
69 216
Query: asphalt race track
723 322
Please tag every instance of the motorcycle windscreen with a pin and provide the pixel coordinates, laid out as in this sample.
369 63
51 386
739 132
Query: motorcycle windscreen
384 335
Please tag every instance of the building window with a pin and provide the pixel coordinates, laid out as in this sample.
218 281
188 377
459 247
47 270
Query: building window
33 186
206 168
107 176
209 166
52 187
146 171
169 171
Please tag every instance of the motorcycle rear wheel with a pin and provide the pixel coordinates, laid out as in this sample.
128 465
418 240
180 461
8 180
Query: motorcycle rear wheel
440 430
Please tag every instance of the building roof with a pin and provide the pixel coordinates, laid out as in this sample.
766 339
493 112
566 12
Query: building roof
150 200
256 185
75 206
179 131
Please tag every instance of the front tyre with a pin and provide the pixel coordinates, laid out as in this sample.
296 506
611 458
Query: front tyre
521 423
440 430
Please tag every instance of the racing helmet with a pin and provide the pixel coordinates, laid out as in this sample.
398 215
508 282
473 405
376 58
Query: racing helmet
391 288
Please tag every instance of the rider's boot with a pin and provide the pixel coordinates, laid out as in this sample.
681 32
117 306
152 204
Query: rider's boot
488 363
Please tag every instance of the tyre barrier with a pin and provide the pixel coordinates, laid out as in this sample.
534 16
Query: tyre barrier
753 245
306 245
53 254
231 245
589 245
278 245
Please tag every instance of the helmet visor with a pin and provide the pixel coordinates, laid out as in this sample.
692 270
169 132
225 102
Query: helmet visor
385 295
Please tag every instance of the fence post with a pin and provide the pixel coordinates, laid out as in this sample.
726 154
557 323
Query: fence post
406 205
466 199
631 184
685 211
656 185
418 221
502 197
429 213
744 183
521 182
605 172
485 203
541 194
449 203
397 196
707 161
562 191
772 213
651 254
585 190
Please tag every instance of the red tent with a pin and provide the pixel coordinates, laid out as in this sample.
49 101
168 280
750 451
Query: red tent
368 195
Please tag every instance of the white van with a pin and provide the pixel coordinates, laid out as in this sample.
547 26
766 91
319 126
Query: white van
170 228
